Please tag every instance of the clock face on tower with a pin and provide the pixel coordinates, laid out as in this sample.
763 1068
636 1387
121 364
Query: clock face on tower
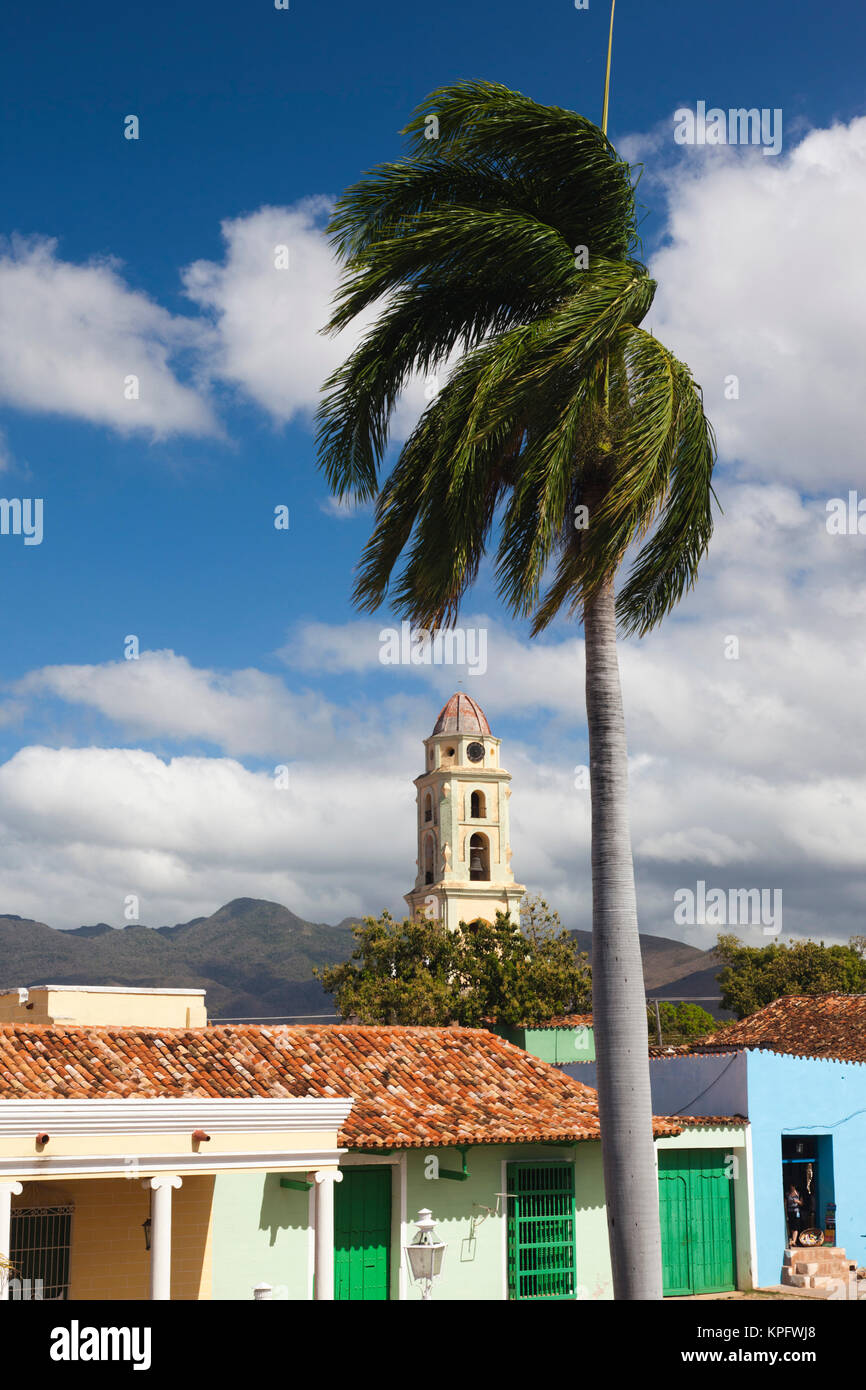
475 752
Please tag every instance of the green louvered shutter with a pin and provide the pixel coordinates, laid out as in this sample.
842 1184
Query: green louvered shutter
362 1235
541 1251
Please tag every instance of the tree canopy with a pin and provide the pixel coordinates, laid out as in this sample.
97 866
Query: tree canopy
680 1022
503 249
418 972
756 975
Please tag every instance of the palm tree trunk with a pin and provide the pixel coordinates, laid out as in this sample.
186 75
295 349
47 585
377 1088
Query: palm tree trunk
618 995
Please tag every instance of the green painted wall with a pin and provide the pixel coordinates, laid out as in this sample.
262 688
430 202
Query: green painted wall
260 1229
593 1255
473 1267
260 1236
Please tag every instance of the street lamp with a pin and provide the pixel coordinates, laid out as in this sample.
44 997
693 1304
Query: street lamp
425 1254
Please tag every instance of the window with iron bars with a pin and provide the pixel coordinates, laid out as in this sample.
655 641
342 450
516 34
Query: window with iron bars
541 1233
39 1254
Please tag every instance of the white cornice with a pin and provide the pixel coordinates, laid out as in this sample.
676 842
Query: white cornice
140 1165
263 1115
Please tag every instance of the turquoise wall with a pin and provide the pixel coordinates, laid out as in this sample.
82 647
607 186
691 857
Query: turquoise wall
823 1099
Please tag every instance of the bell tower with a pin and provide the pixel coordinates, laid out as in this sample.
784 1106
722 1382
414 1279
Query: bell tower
464 849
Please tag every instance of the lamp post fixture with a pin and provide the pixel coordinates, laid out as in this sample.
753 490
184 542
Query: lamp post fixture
424 1254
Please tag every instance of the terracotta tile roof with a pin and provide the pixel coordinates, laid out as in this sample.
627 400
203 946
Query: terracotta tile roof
802 1025
709 1121
412 1086
561 1021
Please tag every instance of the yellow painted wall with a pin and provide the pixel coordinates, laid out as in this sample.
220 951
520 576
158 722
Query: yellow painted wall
148 1009
129 1147
108 1259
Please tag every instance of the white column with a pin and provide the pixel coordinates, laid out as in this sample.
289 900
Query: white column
7 1189
325 1232
160 1233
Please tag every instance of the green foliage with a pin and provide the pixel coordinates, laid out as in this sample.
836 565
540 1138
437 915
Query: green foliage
756 975
418 972
557 398
680 1022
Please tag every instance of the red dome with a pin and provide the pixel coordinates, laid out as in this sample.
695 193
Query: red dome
461 715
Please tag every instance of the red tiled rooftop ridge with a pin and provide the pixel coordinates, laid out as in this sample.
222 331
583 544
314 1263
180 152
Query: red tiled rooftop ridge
461 715
412 1087
801 1025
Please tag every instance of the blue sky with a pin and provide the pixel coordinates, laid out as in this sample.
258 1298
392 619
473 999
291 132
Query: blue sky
143 253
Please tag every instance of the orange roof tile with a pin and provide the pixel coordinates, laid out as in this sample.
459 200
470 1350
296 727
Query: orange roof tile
802 1025
411 1086
709 1121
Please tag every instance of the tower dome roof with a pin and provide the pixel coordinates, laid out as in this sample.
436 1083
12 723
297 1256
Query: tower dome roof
461 715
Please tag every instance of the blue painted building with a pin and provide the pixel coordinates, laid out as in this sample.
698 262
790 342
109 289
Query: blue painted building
807 1113
797 1071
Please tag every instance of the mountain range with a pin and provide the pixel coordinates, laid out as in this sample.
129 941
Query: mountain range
254 958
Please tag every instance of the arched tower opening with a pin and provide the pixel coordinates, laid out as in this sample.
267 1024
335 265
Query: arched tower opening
479 858
429 859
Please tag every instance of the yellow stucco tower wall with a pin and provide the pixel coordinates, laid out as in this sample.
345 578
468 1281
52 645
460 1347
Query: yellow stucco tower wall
464 844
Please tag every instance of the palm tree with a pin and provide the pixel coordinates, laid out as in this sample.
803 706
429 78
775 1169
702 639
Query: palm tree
507 243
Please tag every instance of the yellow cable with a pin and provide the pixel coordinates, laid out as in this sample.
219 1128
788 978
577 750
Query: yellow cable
607 74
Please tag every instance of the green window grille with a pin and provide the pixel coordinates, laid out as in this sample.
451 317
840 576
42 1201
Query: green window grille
541 1248
39 1253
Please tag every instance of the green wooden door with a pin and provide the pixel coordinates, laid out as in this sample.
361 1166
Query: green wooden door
541 1248
696 1203
362 1235
674 1212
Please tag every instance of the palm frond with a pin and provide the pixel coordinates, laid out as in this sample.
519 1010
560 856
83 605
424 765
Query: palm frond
668 564
564 158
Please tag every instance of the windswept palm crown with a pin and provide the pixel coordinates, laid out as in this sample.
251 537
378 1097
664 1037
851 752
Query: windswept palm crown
469 248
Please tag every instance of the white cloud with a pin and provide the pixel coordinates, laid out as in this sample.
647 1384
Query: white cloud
71 335
163 695
268 318
344 508
187 835
762 278
268 300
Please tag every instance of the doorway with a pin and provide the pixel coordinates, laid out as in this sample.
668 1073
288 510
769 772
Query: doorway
362 1235
807 1162
696 1207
